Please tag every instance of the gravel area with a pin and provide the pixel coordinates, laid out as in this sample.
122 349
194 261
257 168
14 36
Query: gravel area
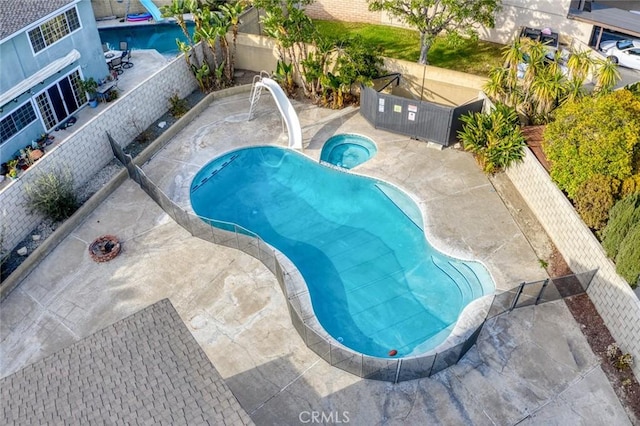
11 262
47 226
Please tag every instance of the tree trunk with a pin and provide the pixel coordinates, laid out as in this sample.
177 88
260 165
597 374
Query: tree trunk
425 45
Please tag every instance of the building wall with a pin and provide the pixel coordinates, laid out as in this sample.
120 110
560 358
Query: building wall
338 10
118 8
613 297
87 150
537 14
19 62
514 14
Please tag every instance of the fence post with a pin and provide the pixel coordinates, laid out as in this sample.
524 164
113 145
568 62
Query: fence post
542 290
515 299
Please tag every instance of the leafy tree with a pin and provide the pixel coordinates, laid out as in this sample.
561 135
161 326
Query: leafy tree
433 17
597 135
286 22
495 139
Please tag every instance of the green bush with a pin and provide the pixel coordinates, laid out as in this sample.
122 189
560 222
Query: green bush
630 185
624 215
52 195
628 258
495 139
596 135
595 198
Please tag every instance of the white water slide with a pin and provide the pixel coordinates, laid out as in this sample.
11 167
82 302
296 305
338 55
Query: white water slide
286 109
152 9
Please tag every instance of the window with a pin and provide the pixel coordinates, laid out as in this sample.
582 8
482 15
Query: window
54 29
16 121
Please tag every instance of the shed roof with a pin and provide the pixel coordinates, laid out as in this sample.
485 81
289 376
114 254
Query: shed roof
18 14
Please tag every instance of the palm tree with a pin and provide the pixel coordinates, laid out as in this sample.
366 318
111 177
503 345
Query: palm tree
573 90
579 64
513 56
232 12
496 86
547 89
606 75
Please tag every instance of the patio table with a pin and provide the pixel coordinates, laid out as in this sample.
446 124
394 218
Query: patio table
103 90
110 55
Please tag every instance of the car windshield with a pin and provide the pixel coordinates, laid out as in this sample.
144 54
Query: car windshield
623 44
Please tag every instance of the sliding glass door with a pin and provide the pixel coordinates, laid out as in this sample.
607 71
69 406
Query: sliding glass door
60 100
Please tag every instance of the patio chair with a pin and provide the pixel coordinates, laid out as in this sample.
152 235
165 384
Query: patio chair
126 55
116 65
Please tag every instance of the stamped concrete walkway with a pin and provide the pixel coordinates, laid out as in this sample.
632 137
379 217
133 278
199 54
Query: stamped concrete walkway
531 366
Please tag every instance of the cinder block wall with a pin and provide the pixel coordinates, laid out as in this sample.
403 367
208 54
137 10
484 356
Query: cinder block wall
87 150
338 10
615 300
118 8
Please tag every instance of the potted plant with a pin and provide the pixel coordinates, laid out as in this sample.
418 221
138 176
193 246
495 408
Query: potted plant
12 168
91 87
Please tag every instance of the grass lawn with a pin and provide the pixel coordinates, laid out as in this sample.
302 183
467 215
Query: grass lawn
472 57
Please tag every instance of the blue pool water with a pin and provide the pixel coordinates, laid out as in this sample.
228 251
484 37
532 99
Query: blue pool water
347 150
375 282
161 37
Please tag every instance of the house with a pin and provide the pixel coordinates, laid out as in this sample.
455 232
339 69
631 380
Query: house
46 48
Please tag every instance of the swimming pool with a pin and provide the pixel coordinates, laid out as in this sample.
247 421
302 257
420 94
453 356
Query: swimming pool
375 283
161 37
348 150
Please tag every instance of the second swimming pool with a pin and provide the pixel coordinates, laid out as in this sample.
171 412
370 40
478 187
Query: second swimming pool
375 282
161 37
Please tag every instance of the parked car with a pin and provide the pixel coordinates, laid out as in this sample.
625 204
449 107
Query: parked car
623 52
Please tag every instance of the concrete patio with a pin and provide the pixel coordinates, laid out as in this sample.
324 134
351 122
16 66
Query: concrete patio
531 366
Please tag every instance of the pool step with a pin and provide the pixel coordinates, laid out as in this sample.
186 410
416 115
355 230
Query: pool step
471 277
457 277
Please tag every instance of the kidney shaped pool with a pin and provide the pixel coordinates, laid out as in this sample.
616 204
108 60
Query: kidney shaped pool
375 282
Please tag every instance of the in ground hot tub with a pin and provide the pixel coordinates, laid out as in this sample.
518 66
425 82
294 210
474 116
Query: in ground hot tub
347 150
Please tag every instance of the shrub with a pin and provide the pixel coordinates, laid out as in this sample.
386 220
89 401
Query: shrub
177 107
52 195
595 198
628 258
622 217
594 136
630 185
495 139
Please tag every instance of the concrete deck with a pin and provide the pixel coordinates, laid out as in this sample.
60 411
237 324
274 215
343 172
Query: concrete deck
532 366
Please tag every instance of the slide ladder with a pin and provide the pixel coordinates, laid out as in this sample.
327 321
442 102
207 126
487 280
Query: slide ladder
287 111
152 9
